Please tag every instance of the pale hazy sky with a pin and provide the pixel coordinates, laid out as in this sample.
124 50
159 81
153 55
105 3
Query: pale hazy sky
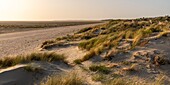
81 9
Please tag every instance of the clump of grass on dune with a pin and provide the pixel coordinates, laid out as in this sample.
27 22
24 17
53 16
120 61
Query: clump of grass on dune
88 44
140 34
100 68
89 55
129 34
118 81
49 57
133 81
97 45
84 30
100 40
46 43
92 53
137 38
65 79
31 68
77 61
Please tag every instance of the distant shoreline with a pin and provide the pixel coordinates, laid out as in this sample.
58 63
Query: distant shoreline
19 26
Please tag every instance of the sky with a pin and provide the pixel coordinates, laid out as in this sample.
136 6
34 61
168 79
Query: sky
47 10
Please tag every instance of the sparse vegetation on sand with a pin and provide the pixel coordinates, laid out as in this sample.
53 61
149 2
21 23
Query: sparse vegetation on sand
118 51
65 79
114 34
125 81
21 59
99 68
74 79
31 68
77 61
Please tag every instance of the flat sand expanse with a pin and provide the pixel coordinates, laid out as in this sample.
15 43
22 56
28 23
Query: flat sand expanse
28 41
19 26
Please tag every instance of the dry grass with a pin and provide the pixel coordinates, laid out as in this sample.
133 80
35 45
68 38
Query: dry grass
98 77
77 61
89 55
108 38
49 57
74 79
31 68
84 30
47 43
100 68
126 62
137 38
133 67
111 34
119 81
65 79
134 81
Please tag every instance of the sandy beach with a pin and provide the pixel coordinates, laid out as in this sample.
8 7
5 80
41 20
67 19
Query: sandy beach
28 41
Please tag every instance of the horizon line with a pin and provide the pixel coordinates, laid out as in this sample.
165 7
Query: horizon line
85 19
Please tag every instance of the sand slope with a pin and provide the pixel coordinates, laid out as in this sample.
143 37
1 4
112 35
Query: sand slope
24 42
15 75
18 75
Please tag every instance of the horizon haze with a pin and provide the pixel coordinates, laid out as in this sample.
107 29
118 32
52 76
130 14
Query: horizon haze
48 10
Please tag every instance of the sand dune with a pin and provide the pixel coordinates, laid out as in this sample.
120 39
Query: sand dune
19 75
27 42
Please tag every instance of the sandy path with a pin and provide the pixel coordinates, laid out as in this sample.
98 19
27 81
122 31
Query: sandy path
26 42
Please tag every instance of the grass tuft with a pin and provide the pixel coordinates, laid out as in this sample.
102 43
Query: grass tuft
67 79
119 81
100 68
89 55
98 77
49 57
31 68
133 81
84 30
77 61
